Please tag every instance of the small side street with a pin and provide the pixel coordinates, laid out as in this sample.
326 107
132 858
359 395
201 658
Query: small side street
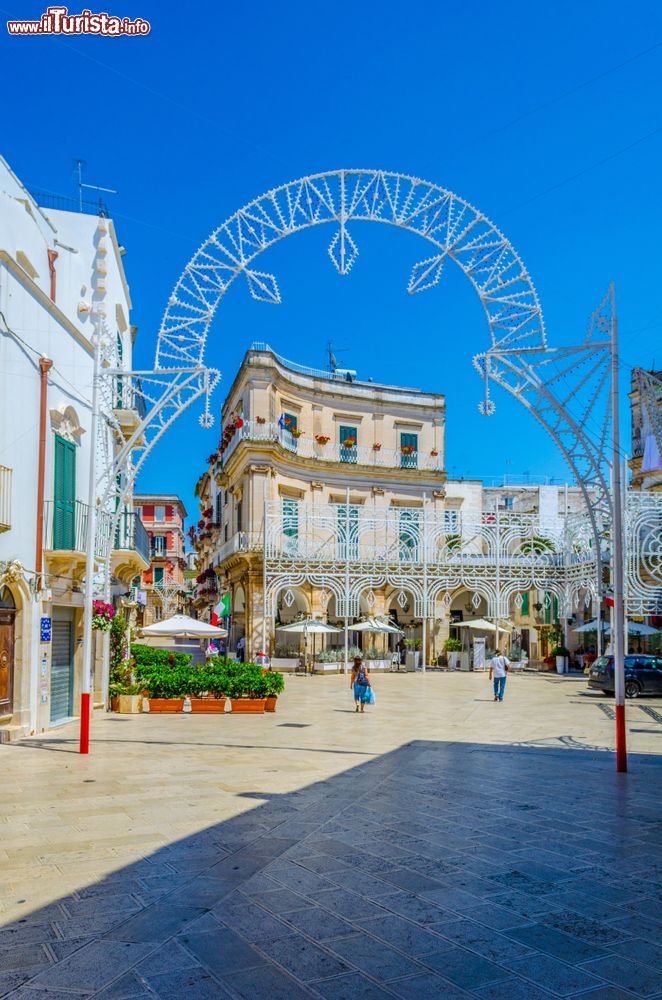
441 845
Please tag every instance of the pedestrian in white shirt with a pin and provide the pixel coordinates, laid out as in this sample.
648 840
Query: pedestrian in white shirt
499 666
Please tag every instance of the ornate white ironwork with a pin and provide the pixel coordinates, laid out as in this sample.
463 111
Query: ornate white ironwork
650 394
410 553
168 593
643 534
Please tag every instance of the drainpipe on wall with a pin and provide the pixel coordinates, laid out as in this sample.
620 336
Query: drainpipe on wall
52 257
45 365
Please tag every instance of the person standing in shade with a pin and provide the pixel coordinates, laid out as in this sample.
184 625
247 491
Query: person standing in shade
360 682
241 649
499 666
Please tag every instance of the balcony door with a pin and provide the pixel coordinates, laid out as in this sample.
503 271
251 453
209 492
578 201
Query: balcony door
347 439
7 637
409 451
64 495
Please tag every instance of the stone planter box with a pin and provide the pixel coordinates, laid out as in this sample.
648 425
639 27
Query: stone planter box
286 665
332 667
127 704
164 705
247 706
210 706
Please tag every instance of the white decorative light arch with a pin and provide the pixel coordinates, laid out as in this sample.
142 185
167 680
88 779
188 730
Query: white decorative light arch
565 389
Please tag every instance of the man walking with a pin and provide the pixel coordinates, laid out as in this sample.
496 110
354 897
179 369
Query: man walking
499 666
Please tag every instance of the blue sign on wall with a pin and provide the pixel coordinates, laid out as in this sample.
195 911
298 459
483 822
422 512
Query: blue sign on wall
46 629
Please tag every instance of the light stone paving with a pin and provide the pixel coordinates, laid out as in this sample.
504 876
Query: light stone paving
440 845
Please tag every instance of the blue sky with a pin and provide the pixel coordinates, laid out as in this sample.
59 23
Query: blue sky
526 110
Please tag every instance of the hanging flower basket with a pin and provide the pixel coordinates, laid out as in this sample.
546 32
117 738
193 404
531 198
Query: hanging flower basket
349 442
260 420
296 433
407 449
322 439
376 447
434 452
102 615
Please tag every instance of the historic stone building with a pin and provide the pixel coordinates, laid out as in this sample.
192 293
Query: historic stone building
163 582
346 480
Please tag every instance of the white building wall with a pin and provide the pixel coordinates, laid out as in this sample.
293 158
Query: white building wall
32 326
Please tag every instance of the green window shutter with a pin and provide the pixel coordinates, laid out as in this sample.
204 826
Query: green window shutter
525 604
158 574
348 522
409 458
555 608
290 518
348 452
547 604
64 495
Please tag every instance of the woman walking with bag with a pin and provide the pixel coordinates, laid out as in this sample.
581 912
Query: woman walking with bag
360 681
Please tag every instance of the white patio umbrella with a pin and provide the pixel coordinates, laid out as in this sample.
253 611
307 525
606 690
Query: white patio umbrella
309 626
634 628
375 625
184 627
481 625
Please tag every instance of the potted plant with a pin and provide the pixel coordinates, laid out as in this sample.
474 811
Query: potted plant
164 678
244 686
561 655
376 446
207 687
260 420
273 685
407 449
413 655
453 647
322 439
349 442
434 452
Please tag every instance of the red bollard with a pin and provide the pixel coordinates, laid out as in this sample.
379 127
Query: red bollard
621 750
85 723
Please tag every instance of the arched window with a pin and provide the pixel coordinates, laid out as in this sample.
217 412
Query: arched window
7 599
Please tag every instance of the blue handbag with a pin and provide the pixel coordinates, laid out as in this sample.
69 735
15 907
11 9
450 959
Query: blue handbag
371 700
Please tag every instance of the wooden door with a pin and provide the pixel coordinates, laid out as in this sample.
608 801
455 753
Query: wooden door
6 661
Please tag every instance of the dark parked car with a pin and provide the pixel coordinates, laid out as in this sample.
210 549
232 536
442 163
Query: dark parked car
643 675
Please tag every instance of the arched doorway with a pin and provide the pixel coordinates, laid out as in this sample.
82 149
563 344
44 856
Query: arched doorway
7 650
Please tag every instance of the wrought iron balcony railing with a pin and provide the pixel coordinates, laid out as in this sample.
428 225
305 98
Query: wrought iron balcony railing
307 446
66 526
5 498
132 535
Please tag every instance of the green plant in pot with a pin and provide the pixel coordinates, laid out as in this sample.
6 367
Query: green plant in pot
273 685
453 646
244 686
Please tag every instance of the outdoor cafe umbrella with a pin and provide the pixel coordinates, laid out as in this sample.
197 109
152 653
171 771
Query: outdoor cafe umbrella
375 625
184 627
481 625
634 628
309 626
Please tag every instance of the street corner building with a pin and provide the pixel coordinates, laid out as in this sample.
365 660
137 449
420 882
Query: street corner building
327 497
62 284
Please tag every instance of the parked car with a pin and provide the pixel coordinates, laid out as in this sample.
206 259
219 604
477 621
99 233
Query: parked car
643 675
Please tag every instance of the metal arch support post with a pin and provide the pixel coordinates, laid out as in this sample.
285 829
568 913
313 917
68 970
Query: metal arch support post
346 664
617 532
264 564
90 552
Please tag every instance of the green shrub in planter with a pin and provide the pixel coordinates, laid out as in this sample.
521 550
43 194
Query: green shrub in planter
560 651
453 646
165 680
146 655
274 683
244 680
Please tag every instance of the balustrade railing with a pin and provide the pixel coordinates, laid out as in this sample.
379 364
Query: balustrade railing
5 498
306 446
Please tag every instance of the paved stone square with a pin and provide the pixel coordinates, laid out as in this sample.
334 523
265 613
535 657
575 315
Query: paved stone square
441 845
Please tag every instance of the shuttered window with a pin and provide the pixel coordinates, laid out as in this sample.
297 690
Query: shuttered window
347 436
409 451
525 604
64 495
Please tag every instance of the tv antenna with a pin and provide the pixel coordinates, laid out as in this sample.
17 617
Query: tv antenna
331 353
79 164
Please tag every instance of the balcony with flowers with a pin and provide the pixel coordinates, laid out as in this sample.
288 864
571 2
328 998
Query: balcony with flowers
320 447
206 589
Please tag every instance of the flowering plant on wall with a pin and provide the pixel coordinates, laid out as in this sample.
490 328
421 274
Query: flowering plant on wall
102 615
407 449
296 432
434 452
322 439
260 420
349 442
376 446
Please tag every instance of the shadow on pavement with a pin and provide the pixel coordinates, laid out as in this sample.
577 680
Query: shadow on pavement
436 870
